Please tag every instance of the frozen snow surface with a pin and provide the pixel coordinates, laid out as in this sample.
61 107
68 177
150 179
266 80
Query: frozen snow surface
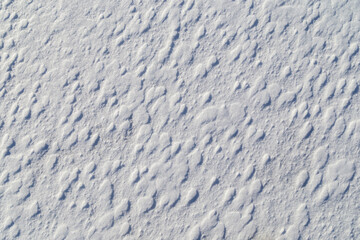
187 119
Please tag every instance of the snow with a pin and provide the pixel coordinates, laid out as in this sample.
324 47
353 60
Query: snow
190 119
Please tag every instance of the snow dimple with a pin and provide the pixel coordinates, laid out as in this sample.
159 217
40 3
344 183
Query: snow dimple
320 157
341 170
286 99
329 118
122 208
207 115
302 179
145 204
305 130
237 111
191 196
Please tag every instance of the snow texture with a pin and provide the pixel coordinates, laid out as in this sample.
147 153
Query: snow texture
189 119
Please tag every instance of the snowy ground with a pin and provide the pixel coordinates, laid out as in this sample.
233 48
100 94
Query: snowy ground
186 119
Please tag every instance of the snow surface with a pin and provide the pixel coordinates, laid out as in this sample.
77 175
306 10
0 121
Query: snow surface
187 119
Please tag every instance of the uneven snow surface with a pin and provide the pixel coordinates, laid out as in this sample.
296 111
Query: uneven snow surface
186 119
